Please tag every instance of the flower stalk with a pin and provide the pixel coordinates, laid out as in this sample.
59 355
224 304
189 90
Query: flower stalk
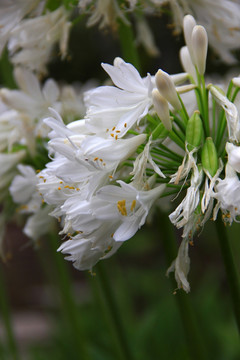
231 271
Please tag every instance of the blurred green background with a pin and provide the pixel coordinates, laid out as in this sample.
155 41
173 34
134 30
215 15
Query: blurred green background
48 324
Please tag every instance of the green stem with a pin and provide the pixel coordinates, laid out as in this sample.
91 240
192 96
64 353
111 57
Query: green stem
68 302
112 314
231 272
193 336
5 312
127 43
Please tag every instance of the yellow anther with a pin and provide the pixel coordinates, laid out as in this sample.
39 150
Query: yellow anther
112 235
118 131
107 130
95 159
110 176
116 137
38 171
133 205
77 189
113 128
44 180
59 188
112 135
60 182
101 160
125 125
121 205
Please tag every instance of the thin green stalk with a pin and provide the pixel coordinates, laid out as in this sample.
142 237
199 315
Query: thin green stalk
221 127
179 134
180 124
119 337
205 106
176 139
213 119
193 336
229 90
6 318
236 91
183 111
68 302
179 157
231 272
165 154
127 42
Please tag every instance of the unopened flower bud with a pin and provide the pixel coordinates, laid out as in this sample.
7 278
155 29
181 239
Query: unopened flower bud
167 89
187 63
209 157
194 131
162 109
188 25
199 47
236 81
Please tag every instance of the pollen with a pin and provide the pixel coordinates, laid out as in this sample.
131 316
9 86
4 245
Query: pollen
133 205
59 188
121 205
110 176
95 159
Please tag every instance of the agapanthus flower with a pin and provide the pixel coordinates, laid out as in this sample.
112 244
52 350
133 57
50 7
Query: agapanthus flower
143 138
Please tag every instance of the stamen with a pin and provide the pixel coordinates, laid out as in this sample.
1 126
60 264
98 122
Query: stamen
133 205
121 205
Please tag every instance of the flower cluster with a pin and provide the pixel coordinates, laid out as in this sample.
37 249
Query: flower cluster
116 154
142 139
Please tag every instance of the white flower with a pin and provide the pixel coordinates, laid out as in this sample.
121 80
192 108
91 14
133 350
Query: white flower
39 224
8 163
112 216
181 266
32 40
104 12
184 212
233 152
231 112
11 13
114 110
227 192
140 164
29 106
24 191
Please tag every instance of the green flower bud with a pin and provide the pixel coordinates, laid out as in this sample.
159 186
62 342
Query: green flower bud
209 157
194 131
